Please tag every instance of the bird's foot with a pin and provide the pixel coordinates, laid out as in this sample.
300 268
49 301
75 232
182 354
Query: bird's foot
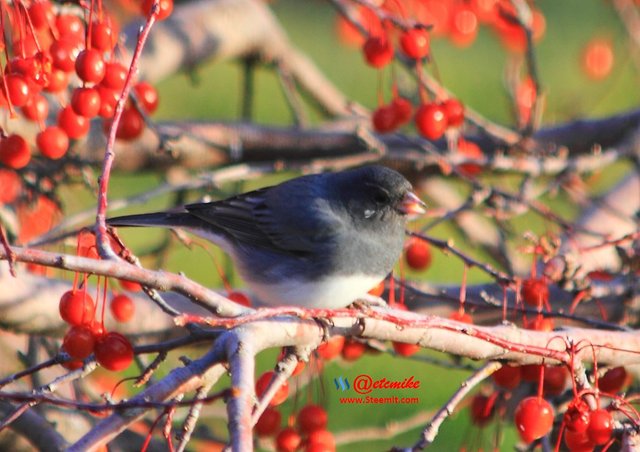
325 325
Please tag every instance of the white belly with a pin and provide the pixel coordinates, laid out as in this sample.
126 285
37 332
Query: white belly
336 292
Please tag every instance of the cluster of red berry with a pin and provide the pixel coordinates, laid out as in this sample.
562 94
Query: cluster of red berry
409 26
455 20
308 430
87 333
582 428
54 52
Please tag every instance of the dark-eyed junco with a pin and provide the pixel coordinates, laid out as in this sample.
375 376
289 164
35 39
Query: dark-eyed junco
320 241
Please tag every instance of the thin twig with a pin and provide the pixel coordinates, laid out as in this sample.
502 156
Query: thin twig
431 430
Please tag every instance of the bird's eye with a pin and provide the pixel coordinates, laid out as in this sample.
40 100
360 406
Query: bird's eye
381 197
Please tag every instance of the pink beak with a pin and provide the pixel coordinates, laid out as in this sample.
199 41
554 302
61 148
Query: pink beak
412 205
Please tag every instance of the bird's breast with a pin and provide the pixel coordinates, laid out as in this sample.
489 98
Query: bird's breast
330 292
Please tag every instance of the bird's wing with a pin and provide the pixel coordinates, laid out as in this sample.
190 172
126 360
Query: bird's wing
292 217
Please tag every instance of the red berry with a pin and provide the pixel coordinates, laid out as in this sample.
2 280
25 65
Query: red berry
311 418
600 426
86 246
130 285
535 291
463 27
598 58
461 316
555 379
79 342
288 440
454 112
70 26
108 101
164 10
114 351
403 110
11 186
74 125
613 381
415 43
533 418
320 441
85 102
147 95
14 152
263 383
268 423
97 328
36 108
482 409
102 36
541 324
64 53
350 34
90 66
508 377
332 348
418 254
130 127
122 308
53 142
17 89
378 51
577 416
404 349
115 76
41 14
73 364
530 372
34 69
578 441
58 81
431 121
471 150
384 119
240 298
353 350
76 307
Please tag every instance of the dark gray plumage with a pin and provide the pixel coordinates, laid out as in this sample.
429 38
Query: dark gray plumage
320 240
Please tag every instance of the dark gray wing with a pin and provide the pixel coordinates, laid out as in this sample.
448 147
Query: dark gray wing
294 217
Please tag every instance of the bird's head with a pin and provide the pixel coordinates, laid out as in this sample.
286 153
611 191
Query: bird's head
379 193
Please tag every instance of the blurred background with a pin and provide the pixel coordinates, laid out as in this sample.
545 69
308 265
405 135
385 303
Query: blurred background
476 75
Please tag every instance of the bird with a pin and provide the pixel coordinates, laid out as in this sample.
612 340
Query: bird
315 241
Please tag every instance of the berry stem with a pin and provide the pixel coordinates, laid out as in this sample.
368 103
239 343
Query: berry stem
463 287
104 300
392 290
541 382
102 238
31 29
504 302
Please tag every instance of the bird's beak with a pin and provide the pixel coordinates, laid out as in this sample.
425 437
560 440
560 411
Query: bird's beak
412 205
